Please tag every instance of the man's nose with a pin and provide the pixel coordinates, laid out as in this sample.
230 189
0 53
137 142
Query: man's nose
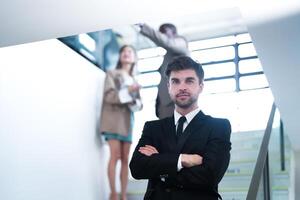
182 86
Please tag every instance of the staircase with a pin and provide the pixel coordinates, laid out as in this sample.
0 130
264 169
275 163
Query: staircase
245 147
235 184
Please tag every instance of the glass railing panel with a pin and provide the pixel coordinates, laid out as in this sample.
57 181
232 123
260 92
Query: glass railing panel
260 193
248 116
279 161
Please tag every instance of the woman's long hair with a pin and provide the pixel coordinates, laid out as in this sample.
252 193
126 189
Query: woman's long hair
119 64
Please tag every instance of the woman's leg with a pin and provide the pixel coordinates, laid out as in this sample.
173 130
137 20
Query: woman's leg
125 147
115 154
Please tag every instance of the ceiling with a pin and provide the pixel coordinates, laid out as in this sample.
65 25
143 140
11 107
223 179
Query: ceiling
28 20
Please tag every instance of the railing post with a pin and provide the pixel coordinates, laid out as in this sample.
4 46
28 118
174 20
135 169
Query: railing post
282 153
261 159
266 179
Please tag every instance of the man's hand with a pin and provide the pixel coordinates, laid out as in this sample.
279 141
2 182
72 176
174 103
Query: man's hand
148 150
140 25
190 160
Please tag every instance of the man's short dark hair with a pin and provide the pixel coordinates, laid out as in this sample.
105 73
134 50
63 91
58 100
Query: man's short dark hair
182 63
163 28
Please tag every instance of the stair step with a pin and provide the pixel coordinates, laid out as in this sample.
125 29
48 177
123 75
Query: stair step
229 194
238 181
229 183
245 136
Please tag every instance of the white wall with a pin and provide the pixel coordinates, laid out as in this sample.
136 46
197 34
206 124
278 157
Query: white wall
277 43
50 101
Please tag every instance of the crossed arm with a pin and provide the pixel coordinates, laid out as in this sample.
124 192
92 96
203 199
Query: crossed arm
186 160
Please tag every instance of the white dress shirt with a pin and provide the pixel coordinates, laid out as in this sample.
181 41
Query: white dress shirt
189 117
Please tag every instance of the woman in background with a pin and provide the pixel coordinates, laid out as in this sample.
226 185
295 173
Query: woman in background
121 98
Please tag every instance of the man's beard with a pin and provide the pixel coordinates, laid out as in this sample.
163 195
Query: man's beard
185 104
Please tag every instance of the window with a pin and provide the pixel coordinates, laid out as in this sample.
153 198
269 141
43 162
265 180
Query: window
250 65
218 86
151 52
87 41
242 38
251 82
246 50
149 79
215 42
219 70
215 54
230 58
149 64
87 54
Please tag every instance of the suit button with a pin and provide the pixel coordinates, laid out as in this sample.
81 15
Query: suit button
180 186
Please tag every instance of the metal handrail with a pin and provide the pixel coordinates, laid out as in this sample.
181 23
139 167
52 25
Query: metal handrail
261 160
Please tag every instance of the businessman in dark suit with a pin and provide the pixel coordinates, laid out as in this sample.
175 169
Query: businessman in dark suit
184 156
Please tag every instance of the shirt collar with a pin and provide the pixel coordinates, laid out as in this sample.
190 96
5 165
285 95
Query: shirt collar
189 116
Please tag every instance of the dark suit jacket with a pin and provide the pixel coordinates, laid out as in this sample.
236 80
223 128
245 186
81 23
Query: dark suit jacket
206 136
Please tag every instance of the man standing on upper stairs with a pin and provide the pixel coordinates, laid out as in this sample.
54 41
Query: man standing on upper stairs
175 45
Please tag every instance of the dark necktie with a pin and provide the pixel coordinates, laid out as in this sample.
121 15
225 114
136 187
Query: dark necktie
179 131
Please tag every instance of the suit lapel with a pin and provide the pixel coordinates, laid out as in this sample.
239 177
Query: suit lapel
193 126
170 133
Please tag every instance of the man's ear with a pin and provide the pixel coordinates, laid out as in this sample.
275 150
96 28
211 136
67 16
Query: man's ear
168 85
201 87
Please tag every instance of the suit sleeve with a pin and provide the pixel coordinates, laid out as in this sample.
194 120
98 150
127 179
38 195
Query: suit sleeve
215 160
177 45
154 166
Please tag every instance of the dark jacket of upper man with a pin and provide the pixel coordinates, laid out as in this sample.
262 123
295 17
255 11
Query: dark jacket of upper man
175 45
